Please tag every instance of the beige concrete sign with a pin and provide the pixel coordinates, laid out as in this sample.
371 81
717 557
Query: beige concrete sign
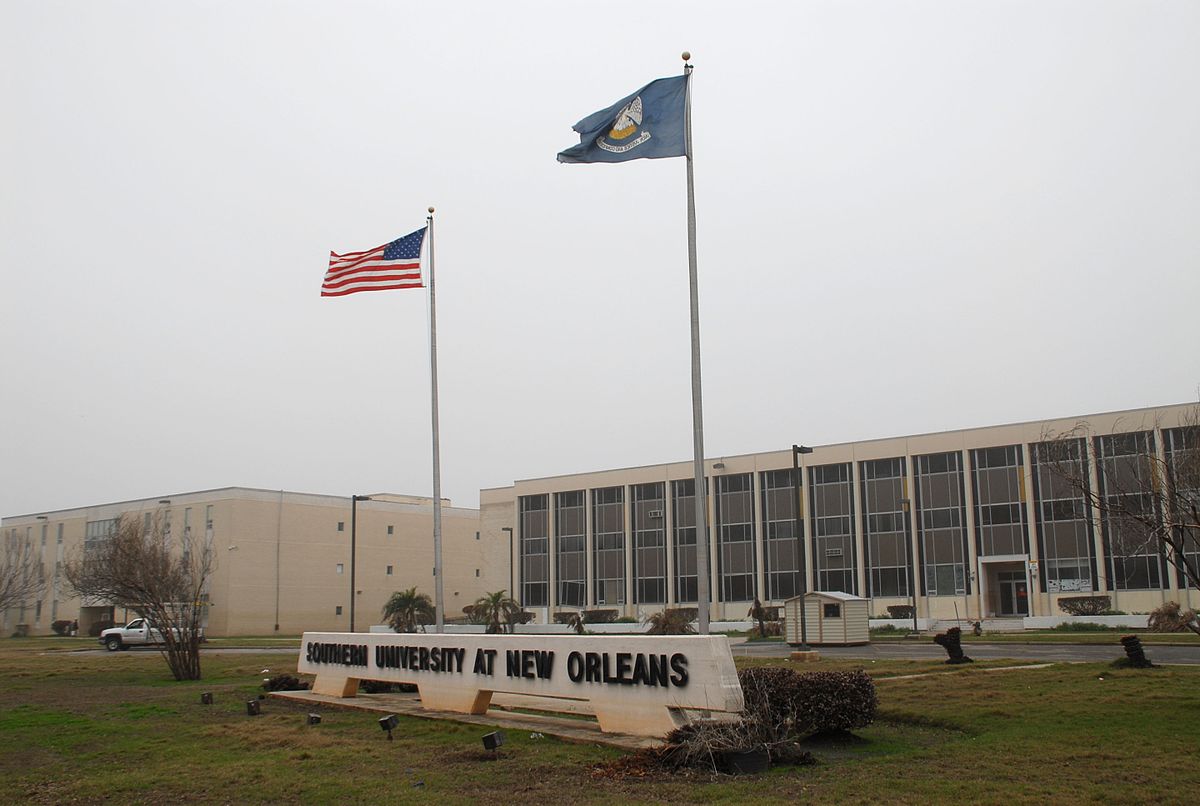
643 685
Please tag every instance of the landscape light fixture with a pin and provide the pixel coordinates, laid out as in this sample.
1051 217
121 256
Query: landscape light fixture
206 698
389 724
797 452
41 517
253 708
493 740
164 500
314 719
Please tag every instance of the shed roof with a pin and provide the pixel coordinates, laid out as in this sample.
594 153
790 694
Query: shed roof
837 595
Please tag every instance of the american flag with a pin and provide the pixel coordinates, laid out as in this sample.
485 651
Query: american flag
393 265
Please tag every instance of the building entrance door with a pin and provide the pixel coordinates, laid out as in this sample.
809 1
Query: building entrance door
1014 593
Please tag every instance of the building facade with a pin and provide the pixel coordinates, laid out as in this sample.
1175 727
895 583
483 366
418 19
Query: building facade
971 524
282 560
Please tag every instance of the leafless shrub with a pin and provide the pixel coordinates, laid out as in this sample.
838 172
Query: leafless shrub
140 567
22 577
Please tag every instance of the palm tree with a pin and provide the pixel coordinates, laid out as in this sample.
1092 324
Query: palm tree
497 610
406 609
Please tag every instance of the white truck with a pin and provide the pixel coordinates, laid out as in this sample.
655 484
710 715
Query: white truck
139 632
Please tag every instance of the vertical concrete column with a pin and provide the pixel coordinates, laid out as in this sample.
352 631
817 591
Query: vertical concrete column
1103 583
716 601
551 556
805 508
910 492
760 537
1171 583
856 498
973 563
1026 481
627 511
589 546
669 536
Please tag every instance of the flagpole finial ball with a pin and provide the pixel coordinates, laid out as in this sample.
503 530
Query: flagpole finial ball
686 55
430 209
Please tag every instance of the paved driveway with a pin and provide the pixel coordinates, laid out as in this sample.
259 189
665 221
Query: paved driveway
925 649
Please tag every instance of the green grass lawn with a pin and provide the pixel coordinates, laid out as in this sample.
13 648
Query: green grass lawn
114 727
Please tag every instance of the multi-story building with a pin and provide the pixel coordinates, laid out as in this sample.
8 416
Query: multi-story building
971 523
282 560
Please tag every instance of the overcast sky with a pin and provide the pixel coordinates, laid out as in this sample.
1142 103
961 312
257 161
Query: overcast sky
913 216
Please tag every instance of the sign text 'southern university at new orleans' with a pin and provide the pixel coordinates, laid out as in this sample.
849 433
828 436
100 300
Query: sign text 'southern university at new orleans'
614 668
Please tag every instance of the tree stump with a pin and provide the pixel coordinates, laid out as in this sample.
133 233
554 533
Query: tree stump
951 641
1135 653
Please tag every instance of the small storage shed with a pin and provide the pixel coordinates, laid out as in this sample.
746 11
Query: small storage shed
833 619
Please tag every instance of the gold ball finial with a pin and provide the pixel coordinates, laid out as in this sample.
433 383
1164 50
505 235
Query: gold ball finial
431 210
686 55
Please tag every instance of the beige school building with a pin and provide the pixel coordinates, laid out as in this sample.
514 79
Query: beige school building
967 523
282 560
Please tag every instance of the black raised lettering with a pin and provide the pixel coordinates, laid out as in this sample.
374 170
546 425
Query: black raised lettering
658 670
639 670
512 658
591 666
545 663
575 667
679 667
624 663
435 659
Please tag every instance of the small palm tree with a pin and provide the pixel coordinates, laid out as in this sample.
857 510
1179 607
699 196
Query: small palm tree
406 609
672 621
759 614
497 610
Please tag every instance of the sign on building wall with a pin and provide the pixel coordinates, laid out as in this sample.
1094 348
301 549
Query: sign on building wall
643 685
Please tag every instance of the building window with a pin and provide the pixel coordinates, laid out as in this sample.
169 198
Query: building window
391 529
570 560
1125 470
1062 518
608 528
649 543
477 535
998 481
95 532
341 568
737 563
683 519
833 611
533 523
341 526
781 544
476 572
941 523
831 518
389 570
58 539
884 489
338 610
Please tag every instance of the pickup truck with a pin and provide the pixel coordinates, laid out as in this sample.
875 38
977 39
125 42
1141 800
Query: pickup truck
138 632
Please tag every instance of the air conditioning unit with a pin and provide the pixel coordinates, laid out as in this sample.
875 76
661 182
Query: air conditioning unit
655 514
833 552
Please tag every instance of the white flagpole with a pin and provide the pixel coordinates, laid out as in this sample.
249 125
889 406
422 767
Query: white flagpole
437 460
702 591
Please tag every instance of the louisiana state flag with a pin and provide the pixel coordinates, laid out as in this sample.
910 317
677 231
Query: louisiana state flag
649 124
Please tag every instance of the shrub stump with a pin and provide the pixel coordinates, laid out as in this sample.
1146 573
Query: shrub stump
1135 652
951 641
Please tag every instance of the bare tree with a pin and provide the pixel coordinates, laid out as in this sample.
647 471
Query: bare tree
140 567
1149 500
22 577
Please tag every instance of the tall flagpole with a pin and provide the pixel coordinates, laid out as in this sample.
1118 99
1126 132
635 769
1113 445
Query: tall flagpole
702 592
437 459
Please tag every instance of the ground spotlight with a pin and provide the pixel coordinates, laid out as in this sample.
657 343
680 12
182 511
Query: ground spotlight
206 698
493 740
314 719
253 708
389 724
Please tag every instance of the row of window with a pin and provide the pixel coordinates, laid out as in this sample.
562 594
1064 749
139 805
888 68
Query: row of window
1061 524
